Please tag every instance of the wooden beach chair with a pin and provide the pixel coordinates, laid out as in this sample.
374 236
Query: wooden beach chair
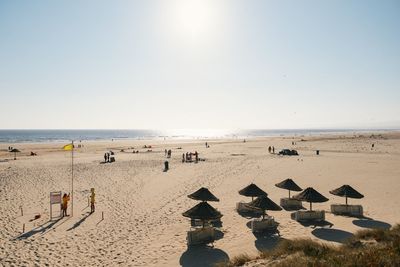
309 215
200 236
350 210
291 203
263 225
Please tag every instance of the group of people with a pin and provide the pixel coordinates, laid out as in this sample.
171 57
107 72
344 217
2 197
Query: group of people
168 153
66 198
109 157
271 149
188 156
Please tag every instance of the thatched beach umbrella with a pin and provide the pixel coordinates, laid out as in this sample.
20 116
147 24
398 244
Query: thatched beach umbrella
311 195
264 203
15 151
289 184
346 191
252 191
203 211
203 194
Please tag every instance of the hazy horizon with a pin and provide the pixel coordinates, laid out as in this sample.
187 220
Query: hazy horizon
200 64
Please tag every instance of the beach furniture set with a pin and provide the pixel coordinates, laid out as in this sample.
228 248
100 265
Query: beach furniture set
205 218
295 203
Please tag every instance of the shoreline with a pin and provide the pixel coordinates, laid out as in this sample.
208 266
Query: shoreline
347 134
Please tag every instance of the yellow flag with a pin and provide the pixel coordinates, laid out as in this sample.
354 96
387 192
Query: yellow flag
68 147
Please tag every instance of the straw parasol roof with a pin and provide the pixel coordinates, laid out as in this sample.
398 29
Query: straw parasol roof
289 184
203 211
346 191
311 195
252 191
264 203
203 194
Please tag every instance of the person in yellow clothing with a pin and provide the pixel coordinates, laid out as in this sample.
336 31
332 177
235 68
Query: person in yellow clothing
64 207
92 200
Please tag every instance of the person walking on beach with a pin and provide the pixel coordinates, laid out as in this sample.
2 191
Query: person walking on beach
105 157
183 157
206 145
64 207
269 149
273 150
92 200
165 152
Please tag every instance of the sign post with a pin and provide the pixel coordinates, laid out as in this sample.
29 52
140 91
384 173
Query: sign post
55 198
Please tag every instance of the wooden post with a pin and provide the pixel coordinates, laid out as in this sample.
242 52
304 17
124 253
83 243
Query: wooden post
22 211
102 215
23 228
88 201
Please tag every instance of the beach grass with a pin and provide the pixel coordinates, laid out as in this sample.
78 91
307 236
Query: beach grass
374 247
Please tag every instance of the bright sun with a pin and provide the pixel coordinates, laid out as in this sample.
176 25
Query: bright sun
194 20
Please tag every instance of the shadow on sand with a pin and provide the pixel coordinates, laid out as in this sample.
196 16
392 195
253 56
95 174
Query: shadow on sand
218 234
38 230
266 241
250 214
334 235
79 222
372 224
293 209
202 256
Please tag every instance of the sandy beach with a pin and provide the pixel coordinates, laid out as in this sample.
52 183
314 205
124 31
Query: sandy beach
142 205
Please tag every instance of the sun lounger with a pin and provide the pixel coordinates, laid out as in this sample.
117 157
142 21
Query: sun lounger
200 236
342 209
307 215
291 203
263 225
244 207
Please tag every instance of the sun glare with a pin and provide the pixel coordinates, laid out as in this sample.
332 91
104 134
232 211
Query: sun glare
194 20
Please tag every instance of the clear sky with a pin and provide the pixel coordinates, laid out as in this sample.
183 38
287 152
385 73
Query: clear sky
199 64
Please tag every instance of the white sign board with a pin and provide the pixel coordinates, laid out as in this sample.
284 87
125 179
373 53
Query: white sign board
55 197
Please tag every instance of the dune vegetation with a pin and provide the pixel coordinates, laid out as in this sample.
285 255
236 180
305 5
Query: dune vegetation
375 247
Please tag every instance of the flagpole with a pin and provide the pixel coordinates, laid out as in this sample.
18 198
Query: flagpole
72 178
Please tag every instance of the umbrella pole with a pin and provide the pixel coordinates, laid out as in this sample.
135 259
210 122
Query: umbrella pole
289 194
310 206
264 215
346 200
15 155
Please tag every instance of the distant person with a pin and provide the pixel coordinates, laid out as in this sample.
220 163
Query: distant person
92 200
273 150
373 145
269 149
206 145
165 152
196 156
166 166
64 206
183 157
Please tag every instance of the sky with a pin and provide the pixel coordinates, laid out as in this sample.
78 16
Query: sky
207 64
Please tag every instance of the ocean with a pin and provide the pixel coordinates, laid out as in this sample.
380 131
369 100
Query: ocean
20 136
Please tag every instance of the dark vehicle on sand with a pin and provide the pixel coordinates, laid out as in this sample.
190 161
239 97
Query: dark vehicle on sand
288 152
